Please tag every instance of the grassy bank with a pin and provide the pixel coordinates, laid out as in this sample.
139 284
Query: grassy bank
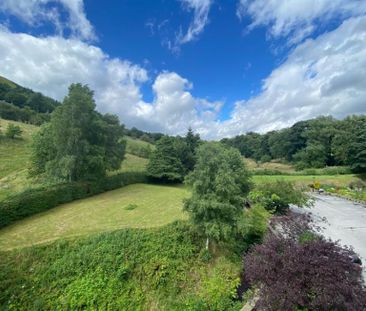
134 206
130 269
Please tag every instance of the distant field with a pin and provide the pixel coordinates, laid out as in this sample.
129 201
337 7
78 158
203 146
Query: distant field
136 142
337 180
134 206
273 165
132 163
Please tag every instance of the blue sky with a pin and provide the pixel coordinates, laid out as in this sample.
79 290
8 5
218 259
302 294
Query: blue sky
222 67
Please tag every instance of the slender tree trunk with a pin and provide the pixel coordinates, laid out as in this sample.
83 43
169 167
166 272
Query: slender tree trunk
207 243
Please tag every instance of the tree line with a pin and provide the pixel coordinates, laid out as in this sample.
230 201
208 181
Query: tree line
316 143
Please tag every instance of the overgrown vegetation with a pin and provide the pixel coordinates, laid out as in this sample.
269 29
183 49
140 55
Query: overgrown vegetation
278 195
132 269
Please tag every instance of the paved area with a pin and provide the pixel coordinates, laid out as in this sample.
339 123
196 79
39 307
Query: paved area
345 221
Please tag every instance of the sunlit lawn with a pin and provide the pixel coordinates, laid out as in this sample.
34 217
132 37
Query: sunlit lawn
134 206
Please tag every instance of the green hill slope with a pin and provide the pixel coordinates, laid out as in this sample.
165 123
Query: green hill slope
133 206
7 82
130 269
15 155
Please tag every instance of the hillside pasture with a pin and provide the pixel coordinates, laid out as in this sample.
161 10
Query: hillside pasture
134 206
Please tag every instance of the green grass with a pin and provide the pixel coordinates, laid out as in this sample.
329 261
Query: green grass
7 82
15 155
137 142
273 165
337 180
132 163
153 206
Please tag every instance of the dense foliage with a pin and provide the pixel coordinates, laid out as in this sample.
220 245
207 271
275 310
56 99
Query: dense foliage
22 97
299 270
11 112
315 143
220 183
78 143
131 269
277 196
32 201
173 157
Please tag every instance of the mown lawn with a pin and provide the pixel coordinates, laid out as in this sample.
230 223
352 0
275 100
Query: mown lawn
134 206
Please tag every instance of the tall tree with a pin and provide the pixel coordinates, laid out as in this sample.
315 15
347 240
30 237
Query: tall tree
79 143
165 163
220 183
192 141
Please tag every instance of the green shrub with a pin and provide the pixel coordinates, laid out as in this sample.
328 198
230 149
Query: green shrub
32 201
278 195
13 131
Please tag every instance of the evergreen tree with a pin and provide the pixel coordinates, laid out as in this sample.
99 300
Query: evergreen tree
192 142
165 163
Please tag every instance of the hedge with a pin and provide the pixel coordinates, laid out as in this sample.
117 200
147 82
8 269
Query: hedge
32 201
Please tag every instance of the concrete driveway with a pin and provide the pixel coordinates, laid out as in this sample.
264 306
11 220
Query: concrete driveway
345 221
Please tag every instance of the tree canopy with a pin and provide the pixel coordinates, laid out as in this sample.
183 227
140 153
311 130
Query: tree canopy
174 157
78 143
220 183
323 141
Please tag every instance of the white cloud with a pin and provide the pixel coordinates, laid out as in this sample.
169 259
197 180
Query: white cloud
175 108
325 75
297 19
200 9
322 76
51 64
37 12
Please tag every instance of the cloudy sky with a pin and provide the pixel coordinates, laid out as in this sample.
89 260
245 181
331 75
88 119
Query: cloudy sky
223 67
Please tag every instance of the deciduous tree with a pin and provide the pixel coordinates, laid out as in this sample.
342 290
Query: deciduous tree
220 183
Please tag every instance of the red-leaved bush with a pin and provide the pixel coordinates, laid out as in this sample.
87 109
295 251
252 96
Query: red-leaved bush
298 270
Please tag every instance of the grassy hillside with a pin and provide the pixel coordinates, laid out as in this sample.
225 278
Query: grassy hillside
7 82
134 206
15 154
131 269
